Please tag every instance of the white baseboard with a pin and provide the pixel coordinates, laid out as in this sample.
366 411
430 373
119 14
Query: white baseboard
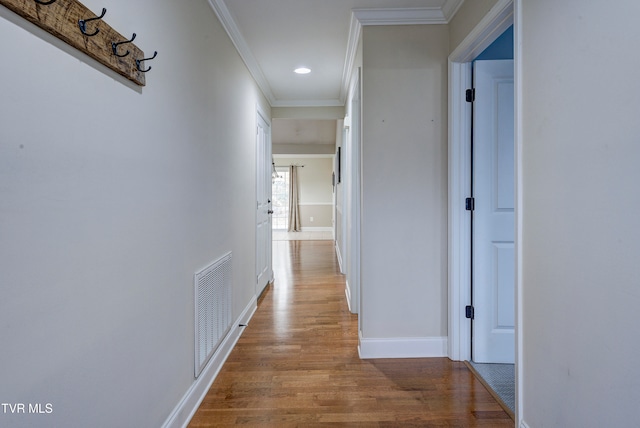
347 292
316 229
403 347
523 424
339 256
186 408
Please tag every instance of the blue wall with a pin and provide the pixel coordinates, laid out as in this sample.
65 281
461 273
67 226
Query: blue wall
501 48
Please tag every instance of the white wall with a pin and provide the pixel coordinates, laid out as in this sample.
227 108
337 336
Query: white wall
111 198
320 113
581 240
303 149
404 187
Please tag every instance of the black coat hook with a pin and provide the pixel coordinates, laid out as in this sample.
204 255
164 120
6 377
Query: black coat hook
83 24
138 61
114 46
45 2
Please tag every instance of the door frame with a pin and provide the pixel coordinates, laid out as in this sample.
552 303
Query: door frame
503 14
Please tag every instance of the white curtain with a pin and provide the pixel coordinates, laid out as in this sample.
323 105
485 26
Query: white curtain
294 211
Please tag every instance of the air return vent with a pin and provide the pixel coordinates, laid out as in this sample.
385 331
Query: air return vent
212 309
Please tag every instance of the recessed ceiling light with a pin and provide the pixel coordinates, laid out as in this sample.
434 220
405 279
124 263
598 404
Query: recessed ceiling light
302 70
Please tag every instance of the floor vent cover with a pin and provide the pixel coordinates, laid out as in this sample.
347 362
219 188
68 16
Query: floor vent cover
212 309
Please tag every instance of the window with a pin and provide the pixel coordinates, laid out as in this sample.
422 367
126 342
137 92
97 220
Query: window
280 196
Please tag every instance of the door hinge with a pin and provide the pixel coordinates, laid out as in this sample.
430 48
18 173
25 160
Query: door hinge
470 204
470 95
468 312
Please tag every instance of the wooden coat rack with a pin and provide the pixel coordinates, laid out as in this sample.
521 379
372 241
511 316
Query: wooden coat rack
73 23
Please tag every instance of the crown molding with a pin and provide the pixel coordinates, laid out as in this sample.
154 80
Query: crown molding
229 24
308 103
355 29
400 16
408 15
359 18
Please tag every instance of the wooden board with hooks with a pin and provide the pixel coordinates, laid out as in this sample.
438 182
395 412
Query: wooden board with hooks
63 19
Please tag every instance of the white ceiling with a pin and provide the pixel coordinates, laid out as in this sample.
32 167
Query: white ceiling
276 36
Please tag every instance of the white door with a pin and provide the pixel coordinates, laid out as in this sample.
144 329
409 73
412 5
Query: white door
493 272
263 197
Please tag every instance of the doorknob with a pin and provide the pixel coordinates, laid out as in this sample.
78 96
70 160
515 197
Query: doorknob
270 212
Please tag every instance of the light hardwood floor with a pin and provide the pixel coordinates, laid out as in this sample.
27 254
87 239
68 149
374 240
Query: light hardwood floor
297 364
283 235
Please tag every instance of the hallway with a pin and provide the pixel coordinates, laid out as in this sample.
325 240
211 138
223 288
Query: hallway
297 363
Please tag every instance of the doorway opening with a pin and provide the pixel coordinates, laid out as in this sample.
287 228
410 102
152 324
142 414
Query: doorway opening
490 28
493 220
493 209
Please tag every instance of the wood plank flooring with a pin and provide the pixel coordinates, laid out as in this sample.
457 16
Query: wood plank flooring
297 364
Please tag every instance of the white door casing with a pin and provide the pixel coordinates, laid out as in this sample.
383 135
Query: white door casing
353 195
493 269
264 271
343 203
